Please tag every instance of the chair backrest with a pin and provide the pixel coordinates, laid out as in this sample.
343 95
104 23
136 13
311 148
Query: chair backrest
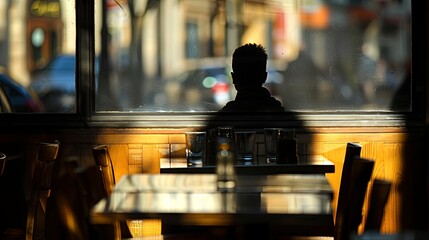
41 189
354 182
377 201
352 150
2 162
104 162
46 156
77 189
348 219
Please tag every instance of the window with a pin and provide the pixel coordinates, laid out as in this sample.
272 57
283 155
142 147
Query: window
174 56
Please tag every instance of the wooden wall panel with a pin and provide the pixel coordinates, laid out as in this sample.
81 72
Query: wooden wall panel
151 158
177 138
135 154
393 169
335 152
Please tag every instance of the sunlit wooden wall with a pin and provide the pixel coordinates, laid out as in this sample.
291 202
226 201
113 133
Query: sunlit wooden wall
398 155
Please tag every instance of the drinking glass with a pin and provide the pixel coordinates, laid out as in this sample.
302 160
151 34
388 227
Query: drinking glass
220 140
286 147
244 146
195 148
211 147
272 136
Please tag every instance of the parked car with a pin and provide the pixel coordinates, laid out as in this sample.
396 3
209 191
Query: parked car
55 84
21 99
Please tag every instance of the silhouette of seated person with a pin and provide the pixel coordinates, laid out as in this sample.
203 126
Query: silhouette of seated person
249 66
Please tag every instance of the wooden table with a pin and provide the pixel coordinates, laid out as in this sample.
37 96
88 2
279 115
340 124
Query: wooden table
300 203
307 164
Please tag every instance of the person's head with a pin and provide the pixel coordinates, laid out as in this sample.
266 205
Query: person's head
249 65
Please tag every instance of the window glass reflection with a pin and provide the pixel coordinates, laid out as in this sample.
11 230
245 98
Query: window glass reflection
37 55
175 55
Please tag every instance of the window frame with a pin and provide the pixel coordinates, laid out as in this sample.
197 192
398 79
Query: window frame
87 116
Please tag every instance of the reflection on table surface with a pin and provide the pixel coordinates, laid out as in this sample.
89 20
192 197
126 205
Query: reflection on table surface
296 200
207 183
311 164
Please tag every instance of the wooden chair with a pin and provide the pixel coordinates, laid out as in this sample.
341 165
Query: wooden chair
352 150
106 173
136 228
377 201
356 175
77 189
41 190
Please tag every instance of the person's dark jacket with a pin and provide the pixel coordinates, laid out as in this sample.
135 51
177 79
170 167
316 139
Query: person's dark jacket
253 100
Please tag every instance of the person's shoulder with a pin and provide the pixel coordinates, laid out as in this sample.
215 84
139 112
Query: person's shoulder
275 104
234 106
229 107
277 108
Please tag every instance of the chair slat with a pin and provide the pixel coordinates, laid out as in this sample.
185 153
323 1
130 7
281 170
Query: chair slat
378 198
